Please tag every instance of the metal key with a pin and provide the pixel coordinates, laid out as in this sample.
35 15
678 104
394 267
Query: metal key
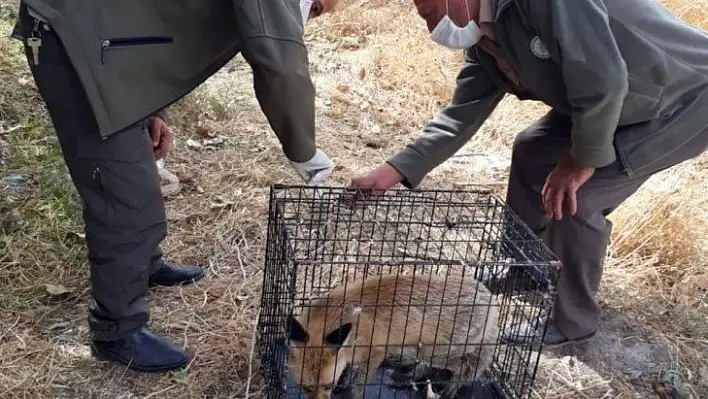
34 43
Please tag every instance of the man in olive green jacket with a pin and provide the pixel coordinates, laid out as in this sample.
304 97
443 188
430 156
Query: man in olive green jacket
627 82
106 71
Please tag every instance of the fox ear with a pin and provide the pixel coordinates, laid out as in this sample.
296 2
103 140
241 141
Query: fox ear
338 336
295 330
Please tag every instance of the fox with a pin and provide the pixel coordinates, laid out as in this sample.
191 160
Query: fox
394 320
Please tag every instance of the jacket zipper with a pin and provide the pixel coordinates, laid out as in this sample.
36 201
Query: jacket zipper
107 44
502 6
96 175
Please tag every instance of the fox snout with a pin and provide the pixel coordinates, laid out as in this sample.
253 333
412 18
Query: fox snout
321 394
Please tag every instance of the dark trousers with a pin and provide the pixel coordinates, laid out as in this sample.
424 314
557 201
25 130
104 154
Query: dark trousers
118 183
579 241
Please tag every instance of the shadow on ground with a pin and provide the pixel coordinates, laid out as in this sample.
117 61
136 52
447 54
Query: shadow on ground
621 348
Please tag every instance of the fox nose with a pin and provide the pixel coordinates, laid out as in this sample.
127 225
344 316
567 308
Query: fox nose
323 395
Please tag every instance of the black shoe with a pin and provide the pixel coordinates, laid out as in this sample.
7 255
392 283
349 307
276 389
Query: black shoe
169 275
524 334
141 351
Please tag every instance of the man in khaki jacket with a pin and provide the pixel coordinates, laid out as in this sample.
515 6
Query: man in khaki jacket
627 82
106 71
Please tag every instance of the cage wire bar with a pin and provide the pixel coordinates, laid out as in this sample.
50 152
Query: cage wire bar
318 241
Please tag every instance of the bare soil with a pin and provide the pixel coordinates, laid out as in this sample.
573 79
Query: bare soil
652 341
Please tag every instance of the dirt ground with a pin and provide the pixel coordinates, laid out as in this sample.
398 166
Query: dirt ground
376 86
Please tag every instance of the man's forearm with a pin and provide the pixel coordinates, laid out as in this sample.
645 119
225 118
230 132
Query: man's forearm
442 137
271 42
285 92
474 100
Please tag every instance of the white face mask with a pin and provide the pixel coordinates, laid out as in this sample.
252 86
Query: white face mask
448 34
305 6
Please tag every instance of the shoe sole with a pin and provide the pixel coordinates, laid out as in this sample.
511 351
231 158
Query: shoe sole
576 341
538 345
181 283
102 357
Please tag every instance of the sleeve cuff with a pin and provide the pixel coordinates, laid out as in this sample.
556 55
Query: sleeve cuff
593 157
411 165
162 114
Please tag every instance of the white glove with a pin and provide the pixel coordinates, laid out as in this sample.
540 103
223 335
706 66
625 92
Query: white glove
315 171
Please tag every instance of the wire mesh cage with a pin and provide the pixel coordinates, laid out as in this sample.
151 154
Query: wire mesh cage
405 294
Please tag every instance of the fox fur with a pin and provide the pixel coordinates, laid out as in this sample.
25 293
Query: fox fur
356 325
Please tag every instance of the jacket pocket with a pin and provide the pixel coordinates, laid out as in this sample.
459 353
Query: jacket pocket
122 42
641 87
643 101
121 170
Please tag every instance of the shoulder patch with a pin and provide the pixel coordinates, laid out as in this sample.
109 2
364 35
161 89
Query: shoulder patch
539 49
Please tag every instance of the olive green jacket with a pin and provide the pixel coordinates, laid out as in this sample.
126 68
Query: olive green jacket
632 77
136 57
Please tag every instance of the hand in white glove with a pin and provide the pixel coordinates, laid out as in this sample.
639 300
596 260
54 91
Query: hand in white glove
315 171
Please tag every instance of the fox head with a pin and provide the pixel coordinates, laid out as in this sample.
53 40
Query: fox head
315 358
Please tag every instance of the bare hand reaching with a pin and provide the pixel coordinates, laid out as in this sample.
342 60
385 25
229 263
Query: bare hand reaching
562 185
161 137
377 181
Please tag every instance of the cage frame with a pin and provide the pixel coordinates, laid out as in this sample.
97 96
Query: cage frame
277 225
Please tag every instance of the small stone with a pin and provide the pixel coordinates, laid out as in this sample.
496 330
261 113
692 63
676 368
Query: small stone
62 325
56 290
362 73
15 180
10 220
672 381
633 374
193 144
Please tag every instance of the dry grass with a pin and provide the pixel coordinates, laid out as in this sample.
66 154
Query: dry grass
378 78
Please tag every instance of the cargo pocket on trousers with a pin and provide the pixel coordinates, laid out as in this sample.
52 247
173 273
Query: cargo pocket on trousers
124 179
